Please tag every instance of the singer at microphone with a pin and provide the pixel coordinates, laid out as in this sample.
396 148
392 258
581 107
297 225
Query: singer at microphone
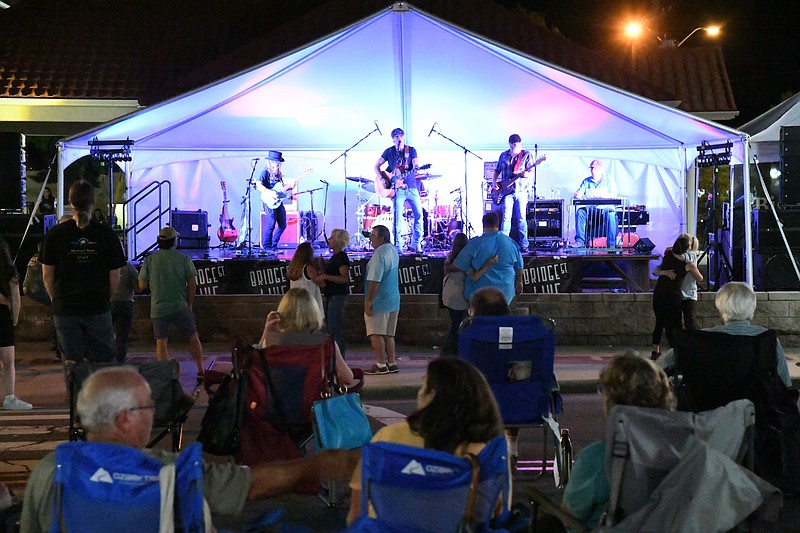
433 128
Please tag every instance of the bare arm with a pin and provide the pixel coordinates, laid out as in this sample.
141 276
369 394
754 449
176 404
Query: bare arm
272 479
343 276
660 272
518 282
15 300
113 281
343 372
474 275
494 179
191 290
692 269
49 277
371 292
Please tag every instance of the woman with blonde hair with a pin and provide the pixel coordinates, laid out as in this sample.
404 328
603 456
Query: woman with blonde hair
298 322
304 275
336 284
628 380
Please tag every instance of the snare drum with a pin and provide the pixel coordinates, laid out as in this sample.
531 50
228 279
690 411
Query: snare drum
371 214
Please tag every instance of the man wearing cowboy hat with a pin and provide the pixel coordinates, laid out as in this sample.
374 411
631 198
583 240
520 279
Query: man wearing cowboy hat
171 278
273 192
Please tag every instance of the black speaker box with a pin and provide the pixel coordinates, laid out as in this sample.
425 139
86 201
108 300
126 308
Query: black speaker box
790 165
192 226
766 235
11 170
644 245
775 272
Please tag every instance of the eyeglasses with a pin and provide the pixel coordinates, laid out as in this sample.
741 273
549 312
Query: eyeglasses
142 408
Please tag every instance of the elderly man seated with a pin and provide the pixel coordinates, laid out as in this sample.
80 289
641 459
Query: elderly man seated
115 406
736 304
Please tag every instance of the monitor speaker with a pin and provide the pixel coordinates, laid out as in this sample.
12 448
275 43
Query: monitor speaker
644 245
790 166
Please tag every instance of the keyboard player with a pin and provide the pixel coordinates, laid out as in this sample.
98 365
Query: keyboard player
596 217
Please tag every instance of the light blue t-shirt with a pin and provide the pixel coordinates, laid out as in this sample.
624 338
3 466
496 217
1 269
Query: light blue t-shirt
383 268
502 274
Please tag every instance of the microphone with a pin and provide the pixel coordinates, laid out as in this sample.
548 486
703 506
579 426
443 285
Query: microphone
323 181
432 128
256 159
378 128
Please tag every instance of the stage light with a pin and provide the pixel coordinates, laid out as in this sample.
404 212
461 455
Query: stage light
110 151
713 155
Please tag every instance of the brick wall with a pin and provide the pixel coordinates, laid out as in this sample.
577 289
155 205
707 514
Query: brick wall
602 319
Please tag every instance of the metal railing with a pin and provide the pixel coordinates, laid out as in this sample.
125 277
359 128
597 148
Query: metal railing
149 215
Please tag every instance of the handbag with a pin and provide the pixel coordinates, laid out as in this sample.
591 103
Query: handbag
340 422
221 428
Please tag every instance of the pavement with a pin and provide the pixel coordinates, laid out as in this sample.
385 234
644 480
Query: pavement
27 436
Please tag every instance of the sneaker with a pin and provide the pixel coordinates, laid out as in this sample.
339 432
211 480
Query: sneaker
393 368
12 403
577 244
377 370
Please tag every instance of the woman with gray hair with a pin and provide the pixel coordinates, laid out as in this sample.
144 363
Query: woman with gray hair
736 304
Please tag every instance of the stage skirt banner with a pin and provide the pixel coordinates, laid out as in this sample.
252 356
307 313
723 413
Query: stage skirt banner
417 275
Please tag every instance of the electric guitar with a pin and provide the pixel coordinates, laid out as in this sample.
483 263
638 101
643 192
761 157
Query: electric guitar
506 186
272 198
226 231
387 183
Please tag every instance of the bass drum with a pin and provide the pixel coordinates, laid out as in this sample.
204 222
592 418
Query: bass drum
387 219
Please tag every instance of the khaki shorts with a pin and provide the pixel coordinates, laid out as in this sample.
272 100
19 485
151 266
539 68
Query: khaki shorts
381 323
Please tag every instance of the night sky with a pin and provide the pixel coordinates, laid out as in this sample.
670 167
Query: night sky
759 38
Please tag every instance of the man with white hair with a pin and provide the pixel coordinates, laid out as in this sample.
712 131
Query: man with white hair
115 406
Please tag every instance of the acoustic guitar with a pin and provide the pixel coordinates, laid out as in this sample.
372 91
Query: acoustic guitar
387 183
226 231
272 198
507 185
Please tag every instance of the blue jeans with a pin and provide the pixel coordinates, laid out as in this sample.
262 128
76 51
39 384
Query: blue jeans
516 204
89 336
277 216
597 218
412 197
334 314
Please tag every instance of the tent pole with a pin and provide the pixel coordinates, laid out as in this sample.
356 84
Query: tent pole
748 213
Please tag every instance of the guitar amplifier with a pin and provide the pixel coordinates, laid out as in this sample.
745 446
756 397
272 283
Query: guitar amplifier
192 226
547 219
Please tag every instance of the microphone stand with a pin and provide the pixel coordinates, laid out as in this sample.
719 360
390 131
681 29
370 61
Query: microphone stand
524 213
312 227
345 168
249 209
465 224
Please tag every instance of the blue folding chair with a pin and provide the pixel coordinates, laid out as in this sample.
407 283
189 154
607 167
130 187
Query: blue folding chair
515 354
416 490
102 487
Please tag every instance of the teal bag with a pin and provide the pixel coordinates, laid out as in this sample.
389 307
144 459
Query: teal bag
340 422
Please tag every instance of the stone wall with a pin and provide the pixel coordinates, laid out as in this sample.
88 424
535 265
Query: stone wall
601 319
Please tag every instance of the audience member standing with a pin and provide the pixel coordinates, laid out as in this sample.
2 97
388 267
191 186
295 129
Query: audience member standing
382 300
170 276
506 273
122 309
81 260
9 315
667 296
304 275
337 284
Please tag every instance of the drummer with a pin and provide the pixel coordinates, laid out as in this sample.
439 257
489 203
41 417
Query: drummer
401 158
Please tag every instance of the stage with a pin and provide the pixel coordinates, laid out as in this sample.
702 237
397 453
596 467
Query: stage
253 271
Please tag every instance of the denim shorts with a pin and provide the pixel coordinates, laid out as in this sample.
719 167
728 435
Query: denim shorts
90 336
183 321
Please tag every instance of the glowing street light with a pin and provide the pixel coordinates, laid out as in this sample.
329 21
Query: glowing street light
633 30
711 30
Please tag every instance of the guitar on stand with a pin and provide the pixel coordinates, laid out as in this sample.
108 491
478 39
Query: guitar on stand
507 185
226 232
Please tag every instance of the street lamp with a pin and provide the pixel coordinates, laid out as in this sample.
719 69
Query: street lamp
711 30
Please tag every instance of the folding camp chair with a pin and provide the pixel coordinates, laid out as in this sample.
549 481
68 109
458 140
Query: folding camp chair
171 401
677 471
101 487
714 368
516 355
418 490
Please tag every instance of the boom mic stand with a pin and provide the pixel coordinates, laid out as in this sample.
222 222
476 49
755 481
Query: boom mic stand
464 224
344 154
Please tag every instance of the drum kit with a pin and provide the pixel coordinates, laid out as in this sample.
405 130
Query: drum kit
440 221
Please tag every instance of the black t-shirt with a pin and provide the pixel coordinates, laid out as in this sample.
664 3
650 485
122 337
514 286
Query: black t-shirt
83 258
332 268
664 285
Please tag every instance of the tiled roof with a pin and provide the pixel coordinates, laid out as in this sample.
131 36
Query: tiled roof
151 50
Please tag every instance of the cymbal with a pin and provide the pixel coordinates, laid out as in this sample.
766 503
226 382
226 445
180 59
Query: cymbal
428 176
359 179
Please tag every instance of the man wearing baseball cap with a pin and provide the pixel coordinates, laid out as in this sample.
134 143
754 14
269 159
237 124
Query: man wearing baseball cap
513 168
170 276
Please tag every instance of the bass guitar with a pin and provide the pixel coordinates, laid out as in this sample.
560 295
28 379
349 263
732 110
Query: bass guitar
387 183
507 185
226 231
272 198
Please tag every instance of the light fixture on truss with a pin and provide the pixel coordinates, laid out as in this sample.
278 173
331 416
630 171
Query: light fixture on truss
713 155
110 151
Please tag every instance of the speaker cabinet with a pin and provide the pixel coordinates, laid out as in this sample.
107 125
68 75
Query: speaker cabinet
790 166
644 245
192 227
12 171
291 236
547 219
775 272
766 235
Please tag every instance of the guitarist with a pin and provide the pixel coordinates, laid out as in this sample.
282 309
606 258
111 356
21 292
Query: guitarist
515 164
402 158
272 179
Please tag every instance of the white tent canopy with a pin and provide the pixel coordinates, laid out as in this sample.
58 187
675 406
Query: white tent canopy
403 67
765 129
